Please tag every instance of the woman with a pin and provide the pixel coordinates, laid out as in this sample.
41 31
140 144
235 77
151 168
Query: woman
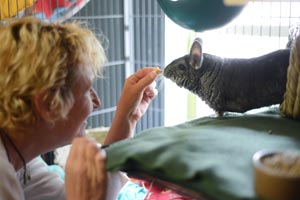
46 94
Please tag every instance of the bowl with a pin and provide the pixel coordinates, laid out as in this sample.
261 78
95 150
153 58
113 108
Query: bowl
277 174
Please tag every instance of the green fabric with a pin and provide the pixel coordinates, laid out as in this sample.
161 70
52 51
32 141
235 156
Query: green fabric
210 155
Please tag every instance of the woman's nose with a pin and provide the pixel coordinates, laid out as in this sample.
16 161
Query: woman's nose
95 99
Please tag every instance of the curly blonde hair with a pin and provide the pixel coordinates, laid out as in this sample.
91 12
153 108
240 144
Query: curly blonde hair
39 57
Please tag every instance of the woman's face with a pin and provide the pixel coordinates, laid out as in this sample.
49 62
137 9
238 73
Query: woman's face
85 100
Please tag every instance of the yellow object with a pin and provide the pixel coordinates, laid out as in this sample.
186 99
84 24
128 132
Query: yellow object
10 8
99 134
235 2
158 70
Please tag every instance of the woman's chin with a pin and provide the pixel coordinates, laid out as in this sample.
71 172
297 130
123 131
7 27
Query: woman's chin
82 131
81 134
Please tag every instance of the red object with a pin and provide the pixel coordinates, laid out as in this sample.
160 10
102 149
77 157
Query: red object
78 2
48 6
159 193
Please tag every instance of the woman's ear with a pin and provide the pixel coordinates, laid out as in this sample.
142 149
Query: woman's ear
42 106
196 54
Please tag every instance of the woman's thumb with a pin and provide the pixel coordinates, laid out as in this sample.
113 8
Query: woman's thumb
147 80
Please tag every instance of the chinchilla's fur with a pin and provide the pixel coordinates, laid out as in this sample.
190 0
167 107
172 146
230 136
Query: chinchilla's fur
232 84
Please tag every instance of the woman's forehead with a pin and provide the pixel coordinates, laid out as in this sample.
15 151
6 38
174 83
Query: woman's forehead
85 74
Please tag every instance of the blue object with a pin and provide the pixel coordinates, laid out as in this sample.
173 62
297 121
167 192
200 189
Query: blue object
132 191
58 170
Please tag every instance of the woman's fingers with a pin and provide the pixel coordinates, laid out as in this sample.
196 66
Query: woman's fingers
86 177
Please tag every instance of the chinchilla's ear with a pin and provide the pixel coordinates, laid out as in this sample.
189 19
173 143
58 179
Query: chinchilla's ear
196 54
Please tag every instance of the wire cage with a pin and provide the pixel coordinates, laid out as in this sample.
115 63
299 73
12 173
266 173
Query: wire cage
133 33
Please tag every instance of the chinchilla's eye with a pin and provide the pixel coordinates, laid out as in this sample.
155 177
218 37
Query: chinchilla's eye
182 67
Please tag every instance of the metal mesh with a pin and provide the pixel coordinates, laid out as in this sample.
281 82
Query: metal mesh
132 32
146 48
266 19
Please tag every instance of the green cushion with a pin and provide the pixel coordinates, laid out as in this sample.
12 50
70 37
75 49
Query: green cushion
210 157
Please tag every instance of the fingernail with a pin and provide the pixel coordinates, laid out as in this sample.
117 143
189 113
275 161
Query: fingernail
153 74
103 153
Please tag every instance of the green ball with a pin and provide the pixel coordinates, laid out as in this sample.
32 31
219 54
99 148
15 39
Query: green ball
199 15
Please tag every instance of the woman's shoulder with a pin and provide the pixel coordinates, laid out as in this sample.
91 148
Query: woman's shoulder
10 187
43 184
